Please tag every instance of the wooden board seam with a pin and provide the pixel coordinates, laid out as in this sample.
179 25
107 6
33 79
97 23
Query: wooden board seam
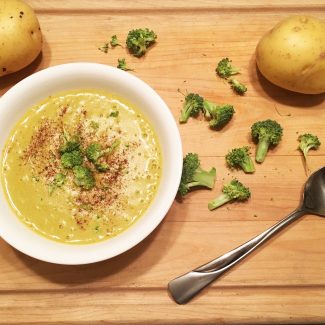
175 11
244 287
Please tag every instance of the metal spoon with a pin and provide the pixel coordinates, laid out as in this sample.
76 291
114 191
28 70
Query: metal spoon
185 287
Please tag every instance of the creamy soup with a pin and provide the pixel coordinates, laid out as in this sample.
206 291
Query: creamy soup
81 166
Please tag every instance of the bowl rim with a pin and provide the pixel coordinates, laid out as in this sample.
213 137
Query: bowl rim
97 251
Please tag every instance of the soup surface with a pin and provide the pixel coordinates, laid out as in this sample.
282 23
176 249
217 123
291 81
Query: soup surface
81 166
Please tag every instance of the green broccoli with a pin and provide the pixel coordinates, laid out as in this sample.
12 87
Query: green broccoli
240 158
139 40
58 181
122 65
114 41
95 151
308 141
114 114
193 104
71 159
104 48
83 177
238 87
267 133
234 190
70 145
194 175
219 115
225 69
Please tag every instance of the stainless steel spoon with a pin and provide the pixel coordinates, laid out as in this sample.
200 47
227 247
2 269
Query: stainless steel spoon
185 287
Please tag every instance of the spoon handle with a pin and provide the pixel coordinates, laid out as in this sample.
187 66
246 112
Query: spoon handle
185 287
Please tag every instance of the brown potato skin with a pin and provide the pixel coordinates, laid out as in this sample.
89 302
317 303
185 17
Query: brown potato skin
20 36
292 55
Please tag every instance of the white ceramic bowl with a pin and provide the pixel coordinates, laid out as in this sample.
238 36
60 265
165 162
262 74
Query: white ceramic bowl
71 76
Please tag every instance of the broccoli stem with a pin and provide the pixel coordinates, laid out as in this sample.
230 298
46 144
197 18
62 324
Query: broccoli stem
185 114
204 178
307 168
248 165
261 151
220 200
306 150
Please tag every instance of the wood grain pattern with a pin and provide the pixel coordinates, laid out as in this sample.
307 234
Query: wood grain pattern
282 283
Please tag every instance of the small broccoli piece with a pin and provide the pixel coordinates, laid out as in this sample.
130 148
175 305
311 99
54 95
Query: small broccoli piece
111 44
240 158
94 125
58 181
95 150
307 142
104 48
139 40
70 145
225 69
219 115
238 87
193 104
114 41
83 177
234 190
122 65
194 175
71 159
114 114
267 133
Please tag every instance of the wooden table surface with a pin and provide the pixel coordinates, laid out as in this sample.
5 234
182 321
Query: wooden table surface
282 283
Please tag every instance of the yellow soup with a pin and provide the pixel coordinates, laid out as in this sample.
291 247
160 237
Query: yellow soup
81 166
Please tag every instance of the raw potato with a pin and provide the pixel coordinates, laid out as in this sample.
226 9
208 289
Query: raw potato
292 55
20 36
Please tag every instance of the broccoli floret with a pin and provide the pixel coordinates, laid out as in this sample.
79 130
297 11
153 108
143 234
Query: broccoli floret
240 158
95 150
139 40
114 41
307 142
122 65
58 181
219 115
193 104
114 114
235 190
225 69
70 145
104 48
83 177
194 175
71 159
267 133
238 87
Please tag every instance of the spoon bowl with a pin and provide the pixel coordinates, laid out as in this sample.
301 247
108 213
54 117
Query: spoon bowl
314 194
